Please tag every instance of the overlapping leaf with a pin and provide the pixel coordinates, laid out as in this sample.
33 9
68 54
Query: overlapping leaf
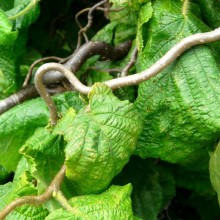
115 203
180 105
18 124
100 140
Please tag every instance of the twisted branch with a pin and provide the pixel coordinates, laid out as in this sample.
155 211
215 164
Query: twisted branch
74 62
162 63
28 76
168 58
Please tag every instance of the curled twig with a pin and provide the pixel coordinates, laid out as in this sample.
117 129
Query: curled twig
28 76
42 89
54 187
162 63
130 63
89 23
106 10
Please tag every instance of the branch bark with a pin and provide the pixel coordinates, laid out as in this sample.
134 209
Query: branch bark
87 50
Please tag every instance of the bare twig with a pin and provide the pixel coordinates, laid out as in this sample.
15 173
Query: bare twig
54 187
168 58
28 76
130 63
89 23
79 24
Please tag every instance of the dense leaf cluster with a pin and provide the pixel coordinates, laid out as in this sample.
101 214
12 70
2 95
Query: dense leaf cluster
140 152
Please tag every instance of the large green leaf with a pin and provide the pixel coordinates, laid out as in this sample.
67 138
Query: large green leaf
44 152
180 105
115 203
100 140
19 123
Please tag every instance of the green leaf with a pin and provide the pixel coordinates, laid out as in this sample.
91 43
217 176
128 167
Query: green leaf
8 69
180 105
211 12
21 186
44 152
191 178
153 187
20 122
214 169
100 140
6 4
145 14
4 174
115 203
206 205
125 28
133 4
24 13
